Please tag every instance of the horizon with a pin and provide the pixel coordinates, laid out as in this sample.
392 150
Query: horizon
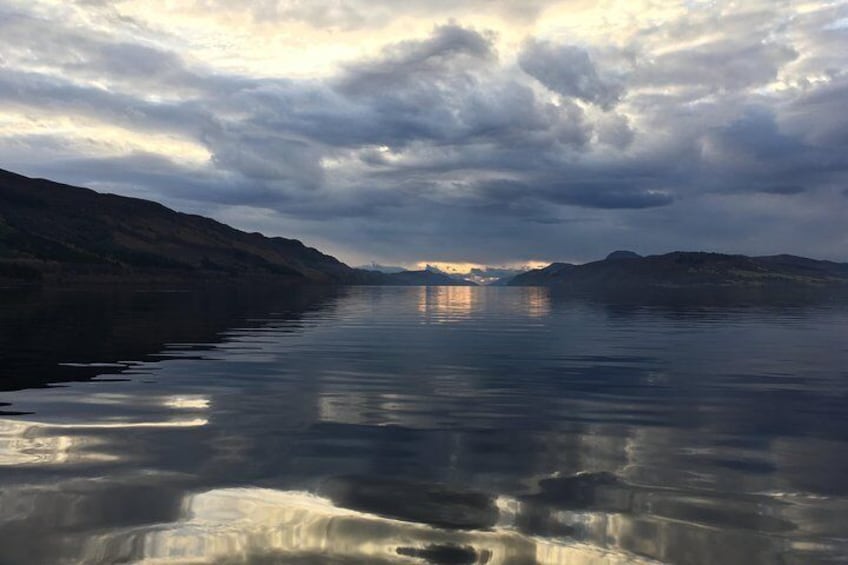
443 134
477 272
482 273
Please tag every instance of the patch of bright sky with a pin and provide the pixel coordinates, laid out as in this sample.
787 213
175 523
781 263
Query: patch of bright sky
465 268
234 39
837 25
100 139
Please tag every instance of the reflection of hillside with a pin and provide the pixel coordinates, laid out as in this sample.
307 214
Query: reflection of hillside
45 333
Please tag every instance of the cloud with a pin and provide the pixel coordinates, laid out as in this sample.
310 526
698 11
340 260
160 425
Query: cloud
729 64
406 61
267 156
569 71
612 196
605 193
443 88
348 14
35 43
817 114
786 189
753 153
461 141
615 130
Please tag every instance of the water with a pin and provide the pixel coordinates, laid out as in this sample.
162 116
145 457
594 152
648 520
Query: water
414 425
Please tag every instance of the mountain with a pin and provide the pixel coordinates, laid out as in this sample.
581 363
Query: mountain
618 255
622 273
380 268
54 232
431 276
546 276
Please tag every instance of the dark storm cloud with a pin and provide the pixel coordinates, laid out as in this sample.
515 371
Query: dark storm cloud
440 147
57 96
612 196
409 61
568 70
615 130
753 154
179 183
784 189
819 114
609 193
445 89
267 156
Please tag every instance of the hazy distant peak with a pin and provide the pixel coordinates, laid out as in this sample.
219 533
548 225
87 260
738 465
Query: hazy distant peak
435 269
388 269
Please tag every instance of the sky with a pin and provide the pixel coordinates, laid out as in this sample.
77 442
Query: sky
466 133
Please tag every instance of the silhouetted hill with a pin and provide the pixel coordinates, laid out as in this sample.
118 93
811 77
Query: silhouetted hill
546 276
50 335
690 270
52 231
616 255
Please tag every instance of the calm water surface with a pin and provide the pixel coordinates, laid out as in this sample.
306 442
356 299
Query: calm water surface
419 425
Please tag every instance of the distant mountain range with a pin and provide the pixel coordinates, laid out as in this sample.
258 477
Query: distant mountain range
388 269
625 271
51 232
429 276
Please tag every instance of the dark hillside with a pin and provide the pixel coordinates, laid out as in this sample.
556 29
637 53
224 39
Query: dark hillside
690 270
51 230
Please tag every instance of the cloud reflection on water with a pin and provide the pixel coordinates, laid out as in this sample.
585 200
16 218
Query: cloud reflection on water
354 433
28 442
242 524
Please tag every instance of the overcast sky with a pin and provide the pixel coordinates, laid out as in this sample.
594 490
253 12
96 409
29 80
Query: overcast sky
479 131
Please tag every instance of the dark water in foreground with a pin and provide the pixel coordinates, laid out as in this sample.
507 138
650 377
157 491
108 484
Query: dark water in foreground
412 425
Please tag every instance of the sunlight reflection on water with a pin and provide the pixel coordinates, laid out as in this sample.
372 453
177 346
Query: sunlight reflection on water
355 426
255 522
